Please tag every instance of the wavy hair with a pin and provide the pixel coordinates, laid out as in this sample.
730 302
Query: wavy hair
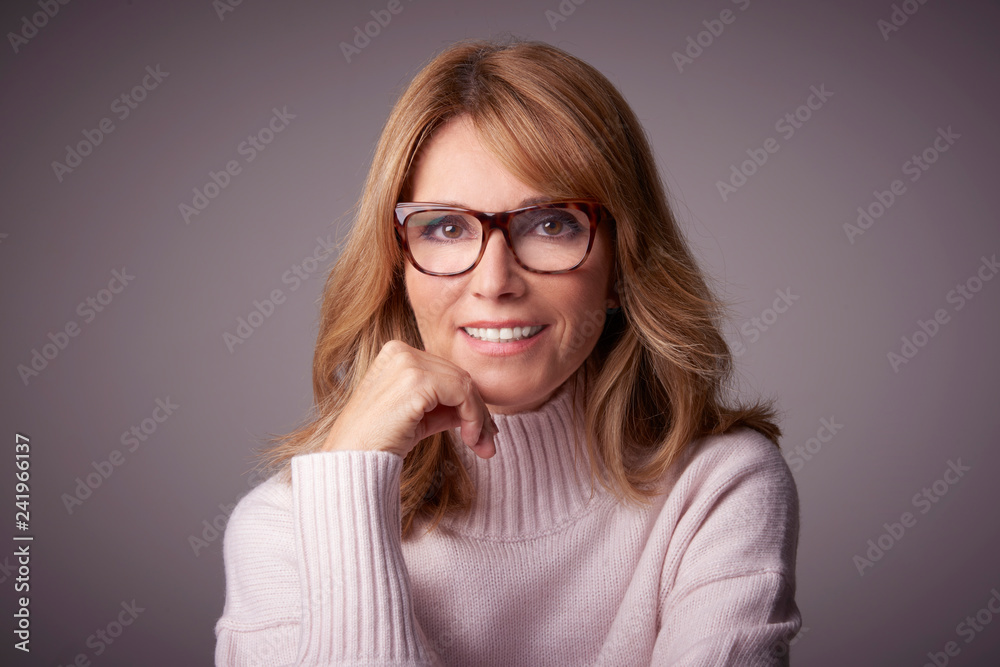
657 376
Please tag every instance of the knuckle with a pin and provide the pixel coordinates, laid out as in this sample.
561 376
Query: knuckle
410 376
397 354
394 347
465 378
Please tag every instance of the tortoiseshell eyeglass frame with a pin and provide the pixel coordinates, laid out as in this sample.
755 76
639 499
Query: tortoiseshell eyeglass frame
595 212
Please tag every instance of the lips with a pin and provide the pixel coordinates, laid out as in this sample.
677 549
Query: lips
503 334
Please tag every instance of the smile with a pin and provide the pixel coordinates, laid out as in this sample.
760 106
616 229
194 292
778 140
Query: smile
504 335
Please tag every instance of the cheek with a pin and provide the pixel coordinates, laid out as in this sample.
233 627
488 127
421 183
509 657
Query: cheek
415 296
590 300
585 317
418 294
587 325
431 298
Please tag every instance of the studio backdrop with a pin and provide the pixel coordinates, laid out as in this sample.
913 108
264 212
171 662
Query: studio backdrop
177 177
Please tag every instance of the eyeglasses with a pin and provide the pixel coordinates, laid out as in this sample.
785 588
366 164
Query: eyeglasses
555 237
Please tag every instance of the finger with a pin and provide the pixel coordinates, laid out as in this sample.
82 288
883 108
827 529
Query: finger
441 418
486 447
475 418
444 417
455 388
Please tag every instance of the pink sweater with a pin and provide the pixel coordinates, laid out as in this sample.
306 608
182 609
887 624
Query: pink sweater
541 572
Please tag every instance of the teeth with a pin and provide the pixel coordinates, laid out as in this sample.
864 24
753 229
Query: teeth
502 335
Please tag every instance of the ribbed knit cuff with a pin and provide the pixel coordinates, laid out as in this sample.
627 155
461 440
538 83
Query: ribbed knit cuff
356 599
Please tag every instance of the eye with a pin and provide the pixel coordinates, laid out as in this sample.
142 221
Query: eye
553 224
451 231
444 228
552 227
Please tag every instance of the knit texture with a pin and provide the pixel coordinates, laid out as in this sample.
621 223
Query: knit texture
545 569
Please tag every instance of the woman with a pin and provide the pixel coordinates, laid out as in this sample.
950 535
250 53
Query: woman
521 454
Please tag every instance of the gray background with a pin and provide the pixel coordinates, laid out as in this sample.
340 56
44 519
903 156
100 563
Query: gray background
163 335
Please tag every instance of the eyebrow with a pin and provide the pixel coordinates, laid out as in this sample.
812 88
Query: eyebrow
531 201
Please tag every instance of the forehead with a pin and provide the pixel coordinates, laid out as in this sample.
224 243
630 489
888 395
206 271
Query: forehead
455 168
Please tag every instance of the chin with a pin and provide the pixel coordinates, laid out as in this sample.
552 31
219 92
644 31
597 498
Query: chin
510 394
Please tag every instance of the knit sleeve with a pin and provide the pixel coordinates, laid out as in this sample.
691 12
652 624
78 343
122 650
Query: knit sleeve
319 579
728 594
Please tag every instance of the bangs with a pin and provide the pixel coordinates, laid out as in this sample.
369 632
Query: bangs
534 123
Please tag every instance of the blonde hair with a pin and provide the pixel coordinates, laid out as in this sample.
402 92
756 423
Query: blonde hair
659 371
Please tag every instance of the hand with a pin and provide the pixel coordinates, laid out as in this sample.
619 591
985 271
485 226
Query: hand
407 395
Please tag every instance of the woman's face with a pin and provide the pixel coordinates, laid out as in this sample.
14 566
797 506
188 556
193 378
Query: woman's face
454 168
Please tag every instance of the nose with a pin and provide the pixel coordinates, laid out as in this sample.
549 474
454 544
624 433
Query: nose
498 273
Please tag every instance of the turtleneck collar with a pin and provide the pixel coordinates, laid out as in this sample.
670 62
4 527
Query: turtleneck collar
539 479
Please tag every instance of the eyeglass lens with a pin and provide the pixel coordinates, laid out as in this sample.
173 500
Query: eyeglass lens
544 239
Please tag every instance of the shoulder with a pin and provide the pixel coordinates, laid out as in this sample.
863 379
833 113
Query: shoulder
742 457
262 517
735 486
260 559
269 499
727 584
731 511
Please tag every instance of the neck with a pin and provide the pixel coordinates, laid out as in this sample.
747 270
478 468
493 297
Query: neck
539 479
524 407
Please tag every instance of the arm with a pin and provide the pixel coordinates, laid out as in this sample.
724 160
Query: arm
319 579
728 589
